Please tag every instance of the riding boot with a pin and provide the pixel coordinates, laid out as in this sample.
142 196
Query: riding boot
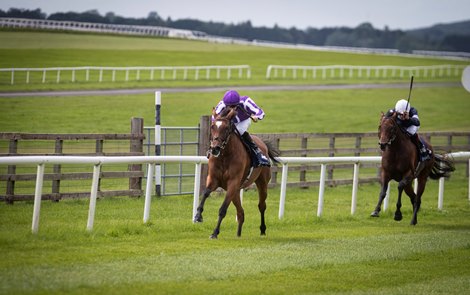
261 159
422 150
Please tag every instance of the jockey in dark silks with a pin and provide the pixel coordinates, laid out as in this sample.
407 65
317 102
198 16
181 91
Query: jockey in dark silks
408 120
247 110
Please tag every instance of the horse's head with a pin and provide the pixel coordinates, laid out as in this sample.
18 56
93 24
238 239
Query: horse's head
221 128
387 129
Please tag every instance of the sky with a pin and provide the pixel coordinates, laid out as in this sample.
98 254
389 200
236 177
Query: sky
396 14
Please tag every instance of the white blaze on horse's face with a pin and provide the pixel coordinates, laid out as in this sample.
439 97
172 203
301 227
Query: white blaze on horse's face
218 124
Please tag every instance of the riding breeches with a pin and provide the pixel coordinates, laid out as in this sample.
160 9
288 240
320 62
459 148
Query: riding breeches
242 126
412 129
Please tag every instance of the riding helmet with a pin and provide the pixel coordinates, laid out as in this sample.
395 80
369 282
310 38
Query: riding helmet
231 98
402 106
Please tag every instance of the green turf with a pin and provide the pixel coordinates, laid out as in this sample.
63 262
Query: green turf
440 109
335 254
37 49
301 254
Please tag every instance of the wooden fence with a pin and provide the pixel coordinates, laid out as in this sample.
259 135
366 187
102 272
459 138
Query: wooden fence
331 145
16 144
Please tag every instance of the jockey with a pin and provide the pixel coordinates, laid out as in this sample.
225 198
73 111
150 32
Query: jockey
246 110
408 119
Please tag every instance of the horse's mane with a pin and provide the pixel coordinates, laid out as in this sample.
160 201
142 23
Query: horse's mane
224 113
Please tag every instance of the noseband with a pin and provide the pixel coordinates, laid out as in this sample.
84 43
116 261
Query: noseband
215 149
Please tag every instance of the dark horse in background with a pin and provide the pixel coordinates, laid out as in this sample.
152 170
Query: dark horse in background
399 162
230 169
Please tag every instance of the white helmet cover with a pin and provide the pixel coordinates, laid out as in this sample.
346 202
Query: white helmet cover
402 106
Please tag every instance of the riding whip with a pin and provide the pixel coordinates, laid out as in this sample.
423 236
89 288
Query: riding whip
409 93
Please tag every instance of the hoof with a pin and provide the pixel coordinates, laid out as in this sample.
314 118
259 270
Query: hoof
213 237
413 222
398 217
197 219
375 214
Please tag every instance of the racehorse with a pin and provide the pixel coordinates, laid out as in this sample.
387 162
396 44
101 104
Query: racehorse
399 162
230 169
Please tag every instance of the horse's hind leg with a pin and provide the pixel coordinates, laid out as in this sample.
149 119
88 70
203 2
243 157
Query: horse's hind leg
240 215
263 195
417 198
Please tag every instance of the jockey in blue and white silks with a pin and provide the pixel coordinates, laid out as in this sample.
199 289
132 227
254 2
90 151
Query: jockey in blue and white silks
247 110
408 120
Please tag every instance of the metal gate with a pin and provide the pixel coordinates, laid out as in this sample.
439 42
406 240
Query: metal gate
177 179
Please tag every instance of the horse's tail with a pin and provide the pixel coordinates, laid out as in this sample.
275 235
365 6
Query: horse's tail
443 167
273 152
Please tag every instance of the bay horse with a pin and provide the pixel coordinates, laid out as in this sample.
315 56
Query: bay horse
399 162
230 169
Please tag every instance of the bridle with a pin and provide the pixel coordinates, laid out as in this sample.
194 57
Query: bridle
218 143
383 145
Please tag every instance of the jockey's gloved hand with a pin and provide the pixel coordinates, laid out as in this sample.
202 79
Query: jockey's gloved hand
254 118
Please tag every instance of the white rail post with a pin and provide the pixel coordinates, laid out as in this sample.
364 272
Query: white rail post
37 198
321 190
440 200
12 76
148 191
93 195
387 197
354 188
197 184
282 200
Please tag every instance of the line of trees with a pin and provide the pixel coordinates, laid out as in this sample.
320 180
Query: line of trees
450 37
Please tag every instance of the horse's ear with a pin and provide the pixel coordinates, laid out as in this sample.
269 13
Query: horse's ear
232 113
214 114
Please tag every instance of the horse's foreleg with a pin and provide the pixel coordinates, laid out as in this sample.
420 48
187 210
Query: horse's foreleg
383 193
222 213
200 208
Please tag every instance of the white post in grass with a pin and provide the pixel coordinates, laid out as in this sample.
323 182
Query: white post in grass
37 198
321 190
282 200
148 191
93 196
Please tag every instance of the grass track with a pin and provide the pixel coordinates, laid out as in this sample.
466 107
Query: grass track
335 254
